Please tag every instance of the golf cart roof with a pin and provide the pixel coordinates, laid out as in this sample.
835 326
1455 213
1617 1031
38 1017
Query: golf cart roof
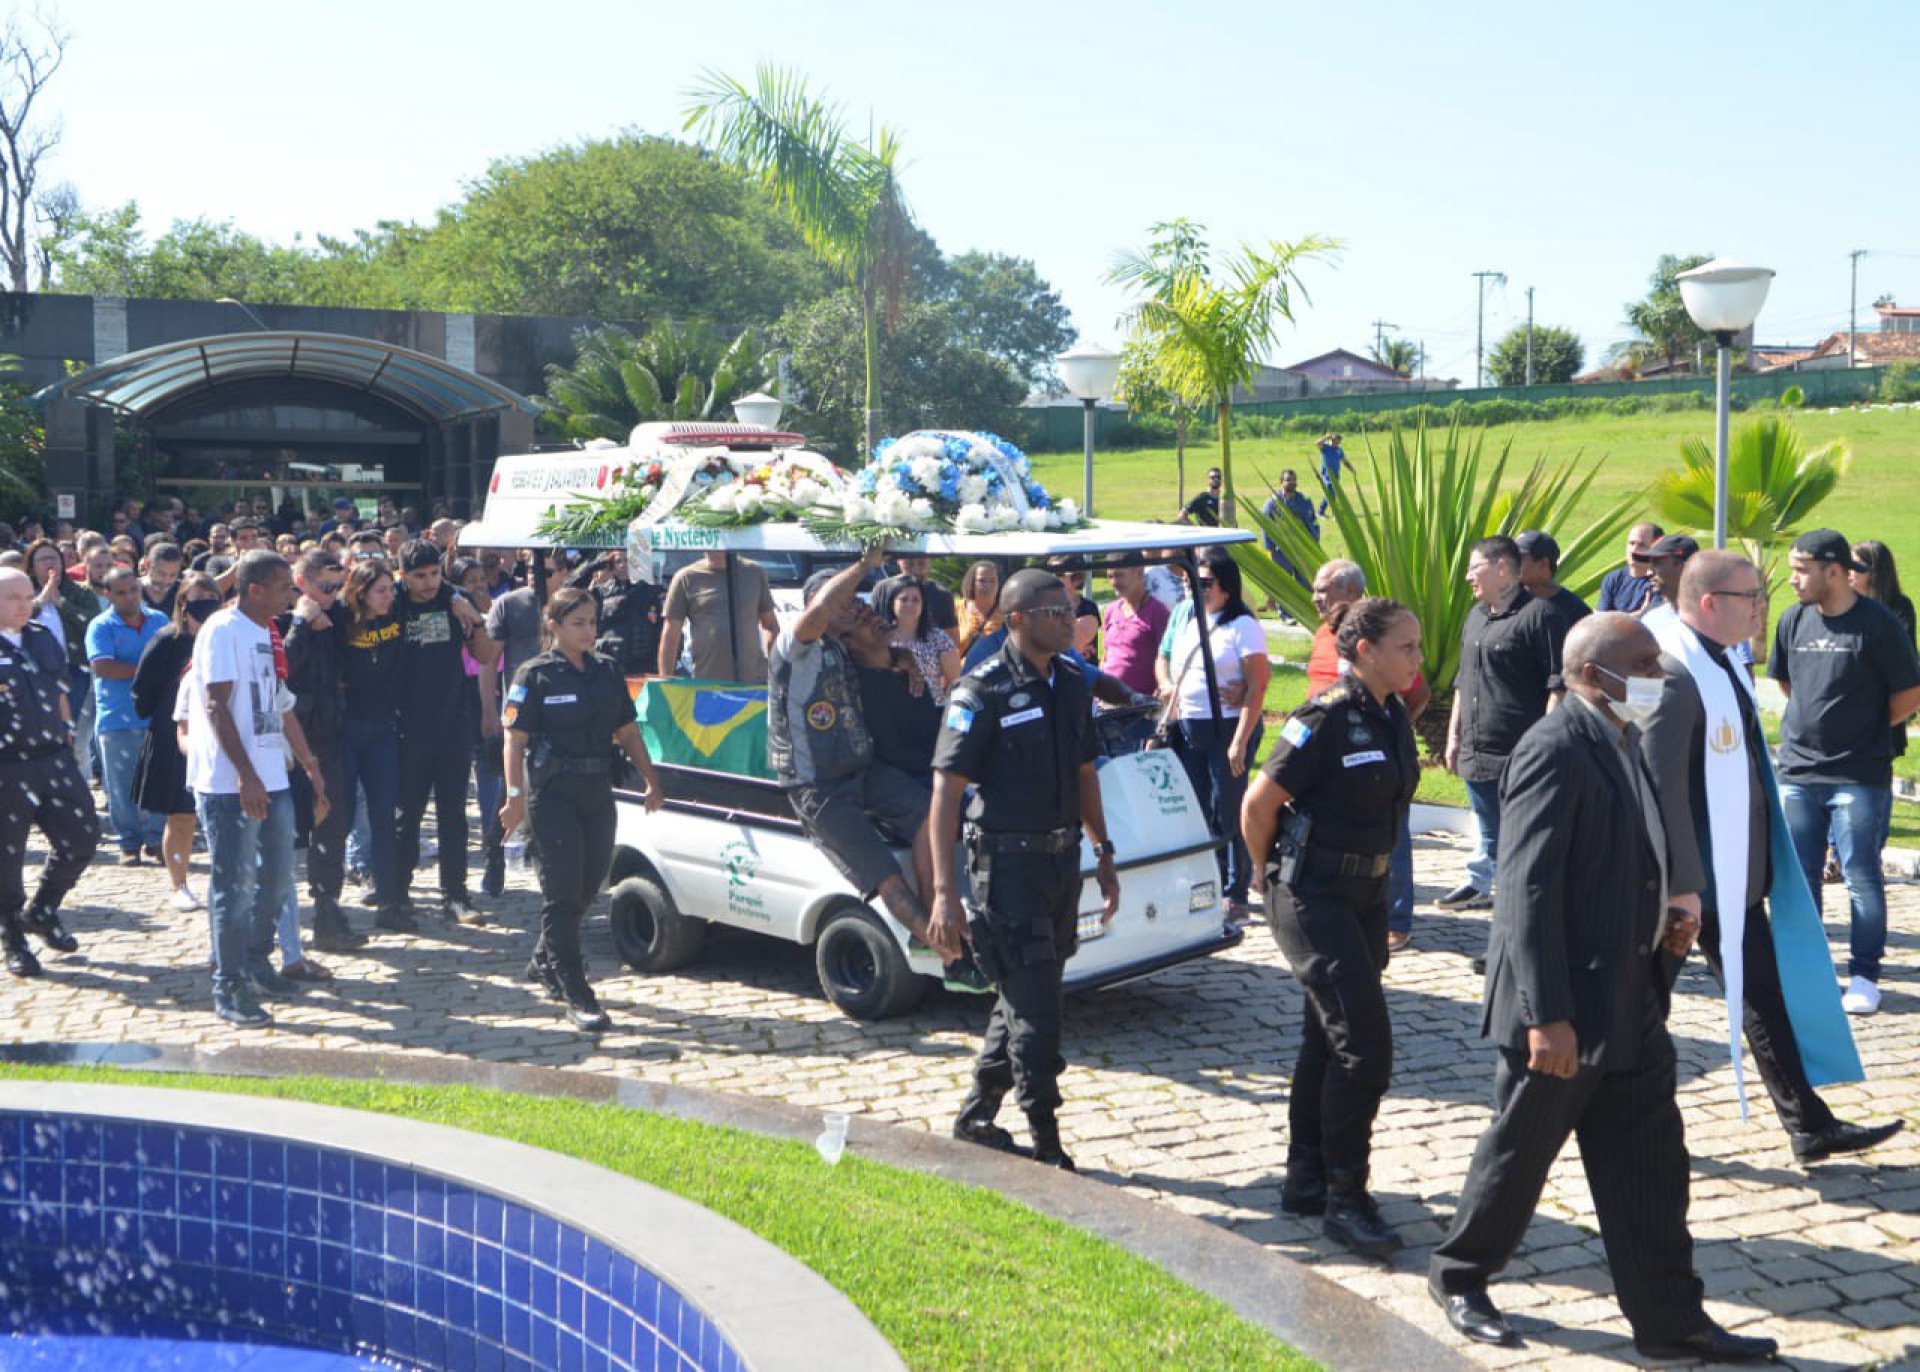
526 489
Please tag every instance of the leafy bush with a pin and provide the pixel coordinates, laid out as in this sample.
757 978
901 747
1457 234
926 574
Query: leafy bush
1793 398
1475 413
1900 382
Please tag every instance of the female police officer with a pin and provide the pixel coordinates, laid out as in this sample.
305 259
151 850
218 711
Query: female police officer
1333 793
564 709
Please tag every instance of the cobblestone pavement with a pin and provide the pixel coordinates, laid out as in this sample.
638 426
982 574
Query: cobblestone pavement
1177 1091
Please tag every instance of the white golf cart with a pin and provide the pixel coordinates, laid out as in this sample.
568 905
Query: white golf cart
727 849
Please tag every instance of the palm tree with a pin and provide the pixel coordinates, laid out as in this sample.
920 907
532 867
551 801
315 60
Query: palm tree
1410 515
1397 355
844 198
1204 336
1773 484
673 371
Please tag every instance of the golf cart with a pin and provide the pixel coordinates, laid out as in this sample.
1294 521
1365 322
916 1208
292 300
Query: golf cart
727 848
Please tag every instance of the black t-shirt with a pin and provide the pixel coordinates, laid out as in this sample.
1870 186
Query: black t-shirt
1841 672
1351 764
904 726
1203 509
431 674
370 668
1509 664
1568 606
578 710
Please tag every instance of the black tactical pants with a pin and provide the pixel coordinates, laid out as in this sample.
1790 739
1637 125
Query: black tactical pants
46 793
1764 1017
1032 901
1333 930
572 819
327 840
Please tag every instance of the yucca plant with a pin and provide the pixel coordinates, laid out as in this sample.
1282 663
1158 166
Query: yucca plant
1409 516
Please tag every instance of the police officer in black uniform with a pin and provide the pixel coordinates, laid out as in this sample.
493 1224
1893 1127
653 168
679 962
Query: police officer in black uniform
566 710
1322 818
1019 727
39 781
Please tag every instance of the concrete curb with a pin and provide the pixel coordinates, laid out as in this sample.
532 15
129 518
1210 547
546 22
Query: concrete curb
1315 1315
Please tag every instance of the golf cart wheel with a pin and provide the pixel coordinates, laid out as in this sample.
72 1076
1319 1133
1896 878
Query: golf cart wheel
650 934
861 966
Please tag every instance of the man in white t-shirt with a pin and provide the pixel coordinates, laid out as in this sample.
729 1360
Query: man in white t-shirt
238 774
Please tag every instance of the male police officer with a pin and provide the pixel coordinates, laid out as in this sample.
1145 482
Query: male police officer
39 780
1020 729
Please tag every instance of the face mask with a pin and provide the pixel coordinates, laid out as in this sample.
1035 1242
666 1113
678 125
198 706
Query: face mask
1643 698
198 610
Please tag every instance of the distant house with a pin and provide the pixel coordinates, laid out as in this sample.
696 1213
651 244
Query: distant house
1897 339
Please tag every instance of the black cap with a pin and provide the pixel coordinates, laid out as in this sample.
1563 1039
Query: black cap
817 583
1673 545
1537 543
1824 545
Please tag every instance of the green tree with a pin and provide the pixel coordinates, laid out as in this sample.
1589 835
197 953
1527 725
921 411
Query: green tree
845 198
1660 318
23 440
928 375
1004 308
107 253
1204 334
674 371
1139 389
1773 485
1397 354
1558 356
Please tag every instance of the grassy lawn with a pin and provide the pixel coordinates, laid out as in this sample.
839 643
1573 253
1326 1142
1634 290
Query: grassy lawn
952 1276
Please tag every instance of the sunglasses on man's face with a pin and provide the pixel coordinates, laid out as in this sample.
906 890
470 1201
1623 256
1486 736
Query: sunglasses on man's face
1050 611
328 588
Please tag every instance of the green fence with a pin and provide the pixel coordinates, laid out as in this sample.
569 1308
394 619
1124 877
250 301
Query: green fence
1058 429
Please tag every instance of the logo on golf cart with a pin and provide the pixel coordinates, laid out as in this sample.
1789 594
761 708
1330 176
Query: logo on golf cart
1162 784
742 862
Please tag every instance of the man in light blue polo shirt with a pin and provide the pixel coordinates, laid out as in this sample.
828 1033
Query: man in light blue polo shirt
115 640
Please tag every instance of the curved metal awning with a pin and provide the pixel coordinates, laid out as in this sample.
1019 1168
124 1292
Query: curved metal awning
136 383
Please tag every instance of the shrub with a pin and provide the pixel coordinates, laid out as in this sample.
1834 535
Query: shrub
1900 382
1793 398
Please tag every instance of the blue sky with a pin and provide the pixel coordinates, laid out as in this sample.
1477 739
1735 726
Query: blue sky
1566 145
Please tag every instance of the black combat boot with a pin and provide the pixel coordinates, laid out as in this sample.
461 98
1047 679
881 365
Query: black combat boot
1304 1192
45 925
975 1124
20 959
331 932
1353 1220
1046 1141
583 1007
540 970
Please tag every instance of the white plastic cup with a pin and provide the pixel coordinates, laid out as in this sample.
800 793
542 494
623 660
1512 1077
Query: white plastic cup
833 1139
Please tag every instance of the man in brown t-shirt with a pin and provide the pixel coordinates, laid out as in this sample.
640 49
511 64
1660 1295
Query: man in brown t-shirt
729 606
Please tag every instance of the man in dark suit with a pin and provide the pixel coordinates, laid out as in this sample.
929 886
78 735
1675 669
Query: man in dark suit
1710 796
1589 896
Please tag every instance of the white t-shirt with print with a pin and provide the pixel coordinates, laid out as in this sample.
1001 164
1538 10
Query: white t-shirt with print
1230 642
231 647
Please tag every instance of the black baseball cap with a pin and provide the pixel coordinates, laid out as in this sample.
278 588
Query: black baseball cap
1537 543
1824 545
1673 545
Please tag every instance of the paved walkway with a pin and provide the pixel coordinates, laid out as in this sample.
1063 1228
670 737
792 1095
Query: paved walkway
1178 1091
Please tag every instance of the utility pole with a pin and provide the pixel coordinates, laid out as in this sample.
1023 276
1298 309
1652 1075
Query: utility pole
1529 335
1853 305
1380 327
1480 328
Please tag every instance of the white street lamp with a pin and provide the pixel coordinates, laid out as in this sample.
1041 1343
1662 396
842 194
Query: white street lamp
760 410
1089 372
1723 297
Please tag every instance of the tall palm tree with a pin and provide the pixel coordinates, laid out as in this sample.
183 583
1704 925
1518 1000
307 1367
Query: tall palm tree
1397 355
843 197
1204 335
673 371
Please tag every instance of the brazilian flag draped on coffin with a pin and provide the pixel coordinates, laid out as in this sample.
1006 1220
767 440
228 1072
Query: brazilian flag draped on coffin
717 725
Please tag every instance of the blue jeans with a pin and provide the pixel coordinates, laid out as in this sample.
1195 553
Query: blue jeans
1400 881
489 790
80 697
1484 799
372 764
120 755
1203 751
249 880
1855 817
359 834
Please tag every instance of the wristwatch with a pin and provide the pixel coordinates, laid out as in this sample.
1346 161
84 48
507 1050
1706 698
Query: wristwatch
1103 850
514 793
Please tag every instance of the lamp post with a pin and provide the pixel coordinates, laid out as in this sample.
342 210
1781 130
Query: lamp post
1089 372
1723 297
760 410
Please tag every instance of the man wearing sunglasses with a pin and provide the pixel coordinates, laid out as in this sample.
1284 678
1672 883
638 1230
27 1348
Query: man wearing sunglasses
313 675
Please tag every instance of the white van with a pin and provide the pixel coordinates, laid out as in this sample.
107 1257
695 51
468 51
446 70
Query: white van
727 849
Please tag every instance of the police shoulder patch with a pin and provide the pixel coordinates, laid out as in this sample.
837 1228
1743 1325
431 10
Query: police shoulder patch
517 693
959 717
1296 732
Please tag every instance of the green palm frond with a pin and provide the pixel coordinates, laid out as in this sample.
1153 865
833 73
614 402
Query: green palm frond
1773 482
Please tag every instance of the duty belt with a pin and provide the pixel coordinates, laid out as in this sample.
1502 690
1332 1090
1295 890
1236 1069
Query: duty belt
1351 864
581 764
1046 841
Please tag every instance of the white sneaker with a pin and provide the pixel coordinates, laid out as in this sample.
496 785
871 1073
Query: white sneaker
1862 997
183 898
